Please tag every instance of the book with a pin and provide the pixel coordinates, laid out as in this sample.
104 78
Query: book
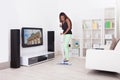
108 25
84 26
94 25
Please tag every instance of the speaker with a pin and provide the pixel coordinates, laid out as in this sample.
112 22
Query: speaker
50 42
15 48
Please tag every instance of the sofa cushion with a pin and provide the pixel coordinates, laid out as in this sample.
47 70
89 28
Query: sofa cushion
117 48
113 44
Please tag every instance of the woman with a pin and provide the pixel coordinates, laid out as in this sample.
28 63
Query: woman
67 33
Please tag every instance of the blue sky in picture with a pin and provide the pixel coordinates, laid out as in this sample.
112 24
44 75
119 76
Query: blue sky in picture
28 32
26 35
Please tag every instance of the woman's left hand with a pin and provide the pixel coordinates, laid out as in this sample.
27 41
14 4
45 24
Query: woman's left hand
61 33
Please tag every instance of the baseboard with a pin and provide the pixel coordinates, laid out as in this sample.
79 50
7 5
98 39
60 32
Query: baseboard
4 65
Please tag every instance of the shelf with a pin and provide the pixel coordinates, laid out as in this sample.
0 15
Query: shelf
87 29
96 19
96 29
108 39
109 19
109 29
96 38
87 39
91 29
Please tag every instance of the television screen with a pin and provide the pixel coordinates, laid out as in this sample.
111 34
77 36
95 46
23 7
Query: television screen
32 37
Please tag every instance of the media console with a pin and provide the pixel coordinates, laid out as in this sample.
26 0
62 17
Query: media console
35 58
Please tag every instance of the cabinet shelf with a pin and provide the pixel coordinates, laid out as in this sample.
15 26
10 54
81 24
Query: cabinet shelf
96 38
109 19
87 29
93 34
109 29
95 31
87 39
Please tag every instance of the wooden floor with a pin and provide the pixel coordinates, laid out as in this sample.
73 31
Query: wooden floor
52 71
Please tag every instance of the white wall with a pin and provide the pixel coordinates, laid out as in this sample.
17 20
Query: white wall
8 18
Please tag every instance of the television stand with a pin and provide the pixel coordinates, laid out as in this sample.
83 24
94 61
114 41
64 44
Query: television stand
32 59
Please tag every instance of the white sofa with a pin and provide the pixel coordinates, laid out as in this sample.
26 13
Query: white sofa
105 60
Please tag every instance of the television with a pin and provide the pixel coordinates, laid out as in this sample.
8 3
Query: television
32 37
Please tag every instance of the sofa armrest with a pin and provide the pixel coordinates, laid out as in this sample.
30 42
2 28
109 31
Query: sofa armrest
107 60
